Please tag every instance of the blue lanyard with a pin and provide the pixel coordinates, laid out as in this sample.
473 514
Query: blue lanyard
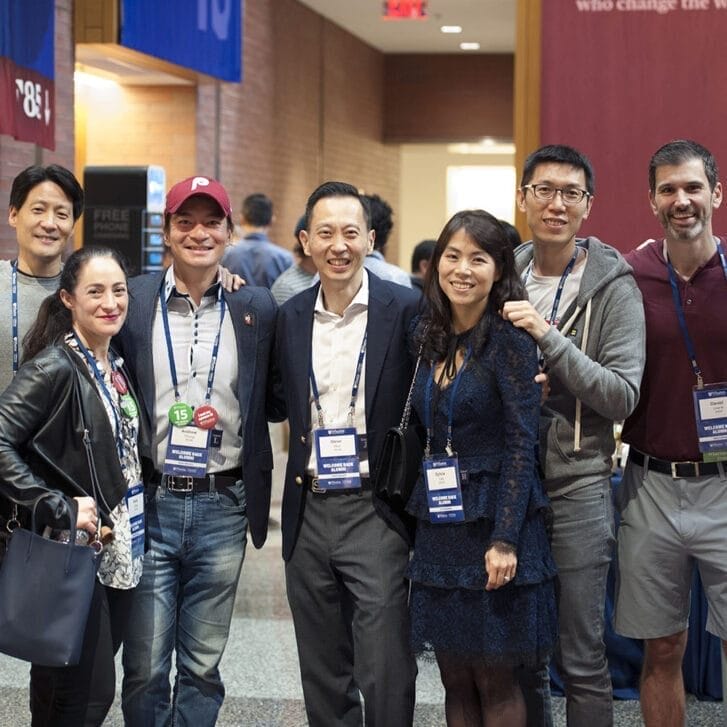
691 351
170 349
104 389
354 388
428 421
14 305
558 293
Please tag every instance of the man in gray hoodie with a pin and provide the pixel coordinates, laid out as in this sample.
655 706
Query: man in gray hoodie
585 313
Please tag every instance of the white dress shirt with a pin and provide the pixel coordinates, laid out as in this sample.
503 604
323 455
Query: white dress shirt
335 348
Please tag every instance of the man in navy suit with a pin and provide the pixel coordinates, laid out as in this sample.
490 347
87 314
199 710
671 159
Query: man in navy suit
344 367
200 358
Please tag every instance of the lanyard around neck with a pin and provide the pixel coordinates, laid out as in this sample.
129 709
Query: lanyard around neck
558 292
170 349
105 391
14 306
428 419
691 351
354 388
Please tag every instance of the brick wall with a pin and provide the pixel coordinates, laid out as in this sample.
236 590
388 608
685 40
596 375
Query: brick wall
16 155
328 114
140 125
310 108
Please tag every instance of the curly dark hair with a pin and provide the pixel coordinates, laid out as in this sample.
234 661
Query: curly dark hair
435 331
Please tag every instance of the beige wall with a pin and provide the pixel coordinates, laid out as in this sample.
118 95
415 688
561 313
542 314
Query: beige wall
138 125
423 191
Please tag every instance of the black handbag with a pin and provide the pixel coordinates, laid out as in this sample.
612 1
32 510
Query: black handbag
46 587
401 455
45 595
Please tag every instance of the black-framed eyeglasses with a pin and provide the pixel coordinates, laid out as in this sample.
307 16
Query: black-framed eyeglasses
546 193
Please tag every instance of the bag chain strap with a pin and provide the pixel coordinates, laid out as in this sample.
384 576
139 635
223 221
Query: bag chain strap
406 414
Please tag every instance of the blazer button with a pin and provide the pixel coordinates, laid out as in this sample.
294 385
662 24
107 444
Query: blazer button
302 438
298 480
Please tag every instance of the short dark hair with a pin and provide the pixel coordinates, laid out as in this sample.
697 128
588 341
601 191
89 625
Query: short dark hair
680 151
336 189
559 154
34 175
54 320
257 210
423 251
381 220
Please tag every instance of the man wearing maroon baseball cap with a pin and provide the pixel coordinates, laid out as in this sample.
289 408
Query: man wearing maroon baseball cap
199 355
201 186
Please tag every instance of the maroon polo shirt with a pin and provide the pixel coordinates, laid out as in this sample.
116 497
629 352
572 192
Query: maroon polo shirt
663 424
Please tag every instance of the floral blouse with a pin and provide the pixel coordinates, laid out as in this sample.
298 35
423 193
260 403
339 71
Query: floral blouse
117 568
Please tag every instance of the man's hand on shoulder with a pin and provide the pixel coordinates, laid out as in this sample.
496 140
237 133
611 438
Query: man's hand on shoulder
231 281
522 314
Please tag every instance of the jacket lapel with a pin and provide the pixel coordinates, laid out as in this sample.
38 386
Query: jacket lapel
380 324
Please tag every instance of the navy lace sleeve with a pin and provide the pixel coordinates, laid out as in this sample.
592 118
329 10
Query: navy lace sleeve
515 365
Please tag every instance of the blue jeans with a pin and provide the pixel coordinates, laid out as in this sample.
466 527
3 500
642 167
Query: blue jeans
184 602
582 545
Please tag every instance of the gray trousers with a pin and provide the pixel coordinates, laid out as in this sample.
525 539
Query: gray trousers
348 597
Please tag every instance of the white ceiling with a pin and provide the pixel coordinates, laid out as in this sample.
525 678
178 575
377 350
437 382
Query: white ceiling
489 22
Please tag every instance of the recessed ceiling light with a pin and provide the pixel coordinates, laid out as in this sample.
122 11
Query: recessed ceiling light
451 28
469 46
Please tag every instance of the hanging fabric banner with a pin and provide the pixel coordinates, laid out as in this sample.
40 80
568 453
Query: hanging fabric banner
27 85
619 79
205 35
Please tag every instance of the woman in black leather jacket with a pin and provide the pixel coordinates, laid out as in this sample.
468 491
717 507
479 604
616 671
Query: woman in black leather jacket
41 450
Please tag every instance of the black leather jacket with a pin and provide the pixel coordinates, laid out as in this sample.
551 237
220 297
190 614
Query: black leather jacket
41 440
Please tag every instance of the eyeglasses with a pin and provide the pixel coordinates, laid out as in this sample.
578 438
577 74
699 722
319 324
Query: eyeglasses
546 193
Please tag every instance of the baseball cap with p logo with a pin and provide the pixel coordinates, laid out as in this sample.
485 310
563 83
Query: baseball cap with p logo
192 186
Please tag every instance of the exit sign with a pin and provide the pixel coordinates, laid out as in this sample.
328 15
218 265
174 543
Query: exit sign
405 9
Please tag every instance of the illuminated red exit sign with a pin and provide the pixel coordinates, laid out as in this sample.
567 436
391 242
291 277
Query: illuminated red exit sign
405 9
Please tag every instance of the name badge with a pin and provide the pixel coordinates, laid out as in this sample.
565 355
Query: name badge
338 461
444 489
187 451
135 506
710 410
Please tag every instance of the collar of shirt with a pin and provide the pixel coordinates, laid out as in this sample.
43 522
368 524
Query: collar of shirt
360 301
170 287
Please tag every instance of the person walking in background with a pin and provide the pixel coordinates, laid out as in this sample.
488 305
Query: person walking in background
482 577
420 259
41 451
298 276
382 223
200 356
256 258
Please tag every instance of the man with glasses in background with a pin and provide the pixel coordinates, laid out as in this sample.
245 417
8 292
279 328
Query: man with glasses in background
585 313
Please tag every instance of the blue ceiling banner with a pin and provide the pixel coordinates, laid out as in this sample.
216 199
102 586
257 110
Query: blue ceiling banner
27 71
204 35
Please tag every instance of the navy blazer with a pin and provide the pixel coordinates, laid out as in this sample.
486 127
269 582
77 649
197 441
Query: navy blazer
252 311
388 373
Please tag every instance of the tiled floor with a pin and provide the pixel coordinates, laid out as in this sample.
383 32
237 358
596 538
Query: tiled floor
260 665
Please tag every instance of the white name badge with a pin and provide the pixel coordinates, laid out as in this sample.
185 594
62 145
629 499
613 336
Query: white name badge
338 461
135 506
187 451
444 489
710 410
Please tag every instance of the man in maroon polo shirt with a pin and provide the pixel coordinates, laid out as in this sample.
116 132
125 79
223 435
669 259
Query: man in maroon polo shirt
673 499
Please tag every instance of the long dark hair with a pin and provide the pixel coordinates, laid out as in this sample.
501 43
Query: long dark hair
436 329
54 320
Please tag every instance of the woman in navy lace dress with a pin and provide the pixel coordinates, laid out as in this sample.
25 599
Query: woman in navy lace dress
482 596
